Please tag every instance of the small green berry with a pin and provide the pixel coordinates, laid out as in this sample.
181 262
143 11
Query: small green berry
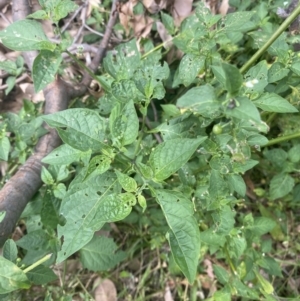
217 129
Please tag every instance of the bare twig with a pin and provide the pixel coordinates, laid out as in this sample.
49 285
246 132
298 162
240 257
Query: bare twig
93 31
21 10
157 136
4 18
19 190
3 3
77 11
84 11
154 111
109 28
18 80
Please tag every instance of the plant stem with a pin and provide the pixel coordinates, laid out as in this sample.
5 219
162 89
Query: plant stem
42 260
156 48
83 66
283 138
275 35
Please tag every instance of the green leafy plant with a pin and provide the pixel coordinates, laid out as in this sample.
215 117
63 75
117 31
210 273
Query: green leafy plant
216 111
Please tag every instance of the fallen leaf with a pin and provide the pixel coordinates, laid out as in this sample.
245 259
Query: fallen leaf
164 35
105 290
180 10
155 6
223 9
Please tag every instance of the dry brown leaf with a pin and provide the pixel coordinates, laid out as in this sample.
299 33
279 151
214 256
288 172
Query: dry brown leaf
209 269
155 6
168 296
164 35
181 9
142 25
126 14
105 290
223 9
29 93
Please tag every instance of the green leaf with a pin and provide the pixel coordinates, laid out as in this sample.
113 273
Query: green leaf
223 219
61 8
276 156
65 154
35 240
281 184
124 90
39 14
221 274
218 188
271 102
82 129
184 235
211 238
184 126
202 100
246 110
296 67
59 190
124 123
236 246
243 290
229 76
277 72
127 183
237 183
2 215
189 67
243 166
142 202
257 140
257 78
271 265
266 285
41 275
50 211
261 226
4 148
101 254
25 35
98 165
60 172
122 63
223 294
145 170
9 66
192 32
168 22
149 80
10 251
87 206
221 163
204 14
170 155
11 277
294 153
46 176
45 67
238 21
10 81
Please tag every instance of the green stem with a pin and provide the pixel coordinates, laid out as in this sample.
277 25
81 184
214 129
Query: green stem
229 261
42 260
156 48
276 34
283 138
83 66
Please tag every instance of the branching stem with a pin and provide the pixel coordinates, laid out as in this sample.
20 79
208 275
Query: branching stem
272 39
